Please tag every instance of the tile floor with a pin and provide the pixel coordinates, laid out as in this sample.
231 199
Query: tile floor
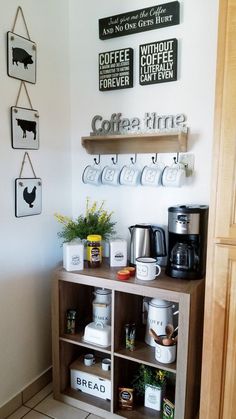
43 406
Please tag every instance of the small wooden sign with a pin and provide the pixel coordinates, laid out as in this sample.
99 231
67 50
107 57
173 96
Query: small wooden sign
141 20
116 69
158 62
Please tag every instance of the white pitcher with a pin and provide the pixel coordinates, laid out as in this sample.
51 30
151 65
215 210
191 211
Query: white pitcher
159 314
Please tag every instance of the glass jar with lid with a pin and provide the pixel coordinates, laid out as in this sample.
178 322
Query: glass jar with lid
94 250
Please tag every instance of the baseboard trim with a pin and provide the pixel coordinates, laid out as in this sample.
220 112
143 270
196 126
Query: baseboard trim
27 393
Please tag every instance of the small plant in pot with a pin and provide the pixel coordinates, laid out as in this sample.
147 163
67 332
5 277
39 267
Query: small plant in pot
96 220
151 383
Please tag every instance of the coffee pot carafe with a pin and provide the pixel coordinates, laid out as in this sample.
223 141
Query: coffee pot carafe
183 256
146 240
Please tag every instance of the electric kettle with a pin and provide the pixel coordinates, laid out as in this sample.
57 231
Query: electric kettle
146 240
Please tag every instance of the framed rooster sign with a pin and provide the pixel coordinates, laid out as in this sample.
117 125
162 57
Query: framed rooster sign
28 196
28 192
24 128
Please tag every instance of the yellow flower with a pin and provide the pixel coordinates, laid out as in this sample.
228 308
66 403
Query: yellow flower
62 219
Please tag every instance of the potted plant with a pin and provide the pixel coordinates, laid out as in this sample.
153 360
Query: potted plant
150 383
95 221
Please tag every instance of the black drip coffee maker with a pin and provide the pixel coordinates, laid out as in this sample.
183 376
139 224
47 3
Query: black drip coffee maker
187 241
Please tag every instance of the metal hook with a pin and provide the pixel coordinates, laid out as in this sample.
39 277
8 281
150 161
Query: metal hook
115 160
176 159
97 161
133 159
154 159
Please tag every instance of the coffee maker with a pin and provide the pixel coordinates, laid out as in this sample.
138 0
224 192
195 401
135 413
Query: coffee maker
187 241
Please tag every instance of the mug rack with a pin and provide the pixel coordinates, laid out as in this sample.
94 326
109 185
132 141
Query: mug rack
158 142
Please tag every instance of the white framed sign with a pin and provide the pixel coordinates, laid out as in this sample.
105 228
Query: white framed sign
24 128
21 58
28 196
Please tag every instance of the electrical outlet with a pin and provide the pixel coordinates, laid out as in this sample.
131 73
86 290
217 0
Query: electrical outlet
188 160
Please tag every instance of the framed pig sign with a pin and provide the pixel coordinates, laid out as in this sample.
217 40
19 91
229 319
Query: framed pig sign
24 128
21 54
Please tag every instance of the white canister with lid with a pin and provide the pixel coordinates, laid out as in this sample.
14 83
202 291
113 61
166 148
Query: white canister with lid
160 313
73 255
102 306
118 252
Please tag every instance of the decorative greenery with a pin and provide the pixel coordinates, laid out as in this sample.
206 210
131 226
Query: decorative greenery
148 375
96 221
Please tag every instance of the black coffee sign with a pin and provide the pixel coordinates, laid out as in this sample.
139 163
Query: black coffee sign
141 20
158 62
116 69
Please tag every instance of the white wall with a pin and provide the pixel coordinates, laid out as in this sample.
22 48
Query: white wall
29 246
192 94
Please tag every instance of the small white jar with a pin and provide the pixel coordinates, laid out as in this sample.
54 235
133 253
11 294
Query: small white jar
73 255
118 252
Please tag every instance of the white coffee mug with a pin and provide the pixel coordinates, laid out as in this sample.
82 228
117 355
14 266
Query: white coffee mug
111 175
106 364
165 354
92 175
151 175
174 175
147 268
89 359
130 175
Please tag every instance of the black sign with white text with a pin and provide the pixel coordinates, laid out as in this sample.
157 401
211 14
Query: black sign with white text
141 20
116 69
158 62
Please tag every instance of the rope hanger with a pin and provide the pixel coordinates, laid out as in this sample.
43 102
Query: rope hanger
19 10
27 94
23 162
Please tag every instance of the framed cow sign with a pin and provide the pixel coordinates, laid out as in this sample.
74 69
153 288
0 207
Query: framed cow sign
21 54
24 128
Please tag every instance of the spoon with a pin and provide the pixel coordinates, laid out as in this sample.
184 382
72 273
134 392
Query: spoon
153 334
169 330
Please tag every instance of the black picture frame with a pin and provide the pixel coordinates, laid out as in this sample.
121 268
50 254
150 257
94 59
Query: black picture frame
158 62
141 20
21 58
28 197
115 69
24 128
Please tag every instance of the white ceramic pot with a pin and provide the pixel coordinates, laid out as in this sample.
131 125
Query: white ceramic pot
160 313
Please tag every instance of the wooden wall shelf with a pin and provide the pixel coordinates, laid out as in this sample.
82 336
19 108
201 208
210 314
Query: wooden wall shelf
158 142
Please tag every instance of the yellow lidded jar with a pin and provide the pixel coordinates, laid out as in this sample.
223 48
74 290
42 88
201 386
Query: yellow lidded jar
94 250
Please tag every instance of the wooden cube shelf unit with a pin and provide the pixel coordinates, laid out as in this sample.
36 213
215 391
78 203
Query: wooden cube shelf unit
75 290
158 142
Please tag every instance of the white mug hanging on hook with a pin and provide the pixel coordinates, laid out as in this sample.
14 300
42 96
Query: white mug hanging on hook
151 175
93 174
111 174
130 175
174 175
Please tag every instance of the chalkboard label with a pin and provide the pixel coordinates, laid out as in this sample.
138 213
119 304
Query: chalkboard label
141 20
158 62
116 69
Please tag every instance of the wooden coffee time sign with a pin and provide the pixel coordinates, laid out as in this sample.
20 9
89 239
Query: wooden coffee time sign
158 62
116 69
141 20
